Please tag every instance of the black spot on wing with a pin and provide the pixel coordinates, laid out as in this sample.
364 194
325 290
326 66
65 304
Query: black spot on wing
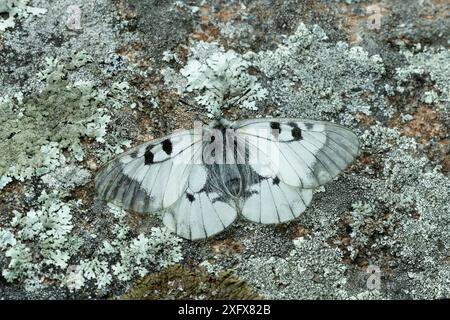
296 131
275 126
134 154
167 146
276 181
190 197
309 125
148 155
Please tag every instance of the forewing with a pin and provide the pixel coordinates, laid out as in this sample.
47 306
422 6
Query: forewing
153 175
301 153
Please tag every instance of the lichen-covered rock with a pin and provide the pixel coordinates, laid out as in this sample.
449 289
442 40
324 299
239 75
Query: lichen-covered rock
36 130
80 84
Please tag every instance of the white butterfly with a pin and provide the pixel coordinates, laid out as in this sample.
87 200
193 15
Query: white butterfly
201 198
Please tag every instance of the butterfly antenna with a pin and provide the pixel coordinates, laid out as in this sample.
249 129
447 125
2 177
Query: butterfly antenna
203 121
241 97
192 107
185 103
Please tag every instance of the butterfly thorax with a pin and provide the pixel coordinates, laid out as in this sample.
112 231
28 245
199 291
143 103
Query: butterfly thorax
228 175
221 124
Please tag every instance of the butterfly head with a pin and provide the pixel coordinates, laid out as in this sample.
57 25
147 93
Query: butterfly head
221 123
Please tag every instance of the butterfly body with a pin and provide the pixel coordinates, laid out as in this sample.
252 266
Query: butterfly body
263 169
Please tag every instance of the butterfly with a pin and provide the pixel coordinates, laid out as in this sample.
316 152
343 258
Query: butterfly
201 179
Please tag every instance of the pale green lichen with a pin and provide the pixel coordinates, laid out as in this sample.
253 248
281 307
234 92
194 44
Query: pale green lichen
160 250
125 257
36 130
37 240
218 78
95 270
41 244
34 138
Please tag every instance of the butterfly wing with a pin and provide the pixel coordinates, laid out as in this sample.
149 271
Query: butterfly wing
273 201
303 154
289 157
167 173
199 214
153 175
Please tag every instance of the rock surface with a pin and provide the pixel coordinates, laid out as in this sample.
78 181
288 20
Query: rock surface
80 82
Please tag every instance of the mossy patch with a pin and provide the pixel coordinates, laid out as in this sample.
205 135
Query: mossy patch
177 282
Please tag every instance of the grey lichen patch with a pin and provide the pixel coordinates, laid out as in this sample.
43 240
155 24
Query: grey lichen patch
427 70
67 177
306 75
154 18
416 214
24 47
310 76
421 22
312 270
36 130
17 9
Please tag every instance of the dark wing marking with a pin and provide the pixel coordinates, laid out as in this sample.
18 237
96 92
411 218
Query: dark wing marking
151 176
199 215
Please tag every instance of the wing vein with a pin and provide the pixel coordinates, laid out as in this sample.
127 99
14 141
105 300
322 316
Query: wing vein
273 200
